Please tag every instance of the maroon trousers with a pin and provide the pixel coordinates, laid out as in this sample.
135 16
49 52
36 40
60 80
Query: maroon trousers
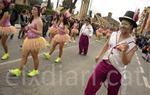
83 44
104 71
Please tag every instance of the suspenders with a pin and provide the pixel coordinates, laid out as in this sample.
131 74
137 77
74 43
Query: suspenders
111 52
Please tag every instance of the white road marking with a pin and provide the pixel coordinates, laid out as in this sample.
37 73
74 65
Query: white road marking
146 82
142 70
145 79
19 59
16 60
138 60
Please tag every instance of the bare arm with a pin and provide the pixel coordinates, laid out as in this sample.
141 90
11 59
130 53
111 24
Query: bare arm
127 57
39 26
102 51
5 16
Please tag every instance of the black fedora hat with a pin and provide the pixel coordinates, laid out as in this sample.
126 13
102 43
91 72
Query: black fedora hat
129 16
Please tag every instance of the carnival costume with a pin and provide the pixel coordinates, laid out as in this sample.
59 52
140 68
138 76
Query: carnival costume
62 36
33 41
75 28
6 29
53 30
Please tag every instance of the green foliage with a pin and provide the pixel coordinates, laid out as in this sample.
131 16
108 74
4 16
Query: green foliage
49 11
19 8
67 3
33 2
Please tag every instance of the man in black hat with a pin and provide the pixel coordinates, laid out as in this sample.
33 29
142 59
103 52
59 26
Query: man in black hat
118 52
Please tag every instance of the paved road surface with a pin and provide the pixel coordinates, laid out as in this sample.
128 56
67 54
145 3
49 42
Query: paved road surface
69 77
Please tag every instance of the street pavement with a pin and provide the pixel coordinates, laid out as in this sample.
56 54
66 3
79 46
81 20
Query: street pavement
68 77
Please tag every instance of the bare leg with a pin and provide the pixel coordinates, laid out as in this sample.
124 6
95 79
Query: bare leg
35 58
50 36
25 55
71 36
74 36
3 41
61 46
20 33
53 47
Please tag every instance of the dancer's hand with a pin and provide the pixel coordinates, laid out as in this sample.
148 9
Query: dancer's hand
123 47
26 28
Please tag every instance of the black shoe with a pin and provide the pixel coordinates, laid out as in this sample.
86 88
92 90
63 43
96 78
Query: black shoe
80 53
85 54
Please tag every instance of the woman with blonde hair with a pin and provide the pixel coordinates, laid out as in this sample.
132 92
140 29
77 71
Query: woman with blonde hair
32 43
5 27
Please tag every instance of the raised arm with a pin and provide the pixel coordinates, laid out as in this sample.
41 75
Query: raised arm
102 51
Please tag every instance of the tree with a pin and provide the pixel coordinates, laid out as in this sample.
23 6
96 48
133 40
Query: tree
73 5
69 4
66 4
84 8
57 3
33 2
49 4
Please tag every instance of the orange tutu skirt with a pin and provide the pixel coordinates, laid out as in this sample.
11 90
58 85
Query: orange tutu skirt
74 31
52 30
34 44
61 38
7 30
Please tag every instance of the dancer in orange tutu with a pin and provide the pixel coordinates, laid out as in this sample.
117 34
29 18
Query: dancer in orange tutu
59 39
74 31
53 29
99 33
108 33
5 26
32 43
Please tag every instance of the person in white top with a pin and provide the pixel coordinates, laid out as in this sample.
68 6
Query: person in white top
118 52
85 33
